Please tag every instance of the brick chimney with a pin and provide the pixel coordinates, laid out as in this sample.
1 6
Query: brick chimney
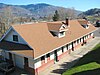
66 22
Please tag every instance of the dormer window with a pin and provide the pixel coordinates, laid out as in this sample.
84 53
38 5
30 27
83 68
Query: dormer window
61 34
85 26
15 38
58 29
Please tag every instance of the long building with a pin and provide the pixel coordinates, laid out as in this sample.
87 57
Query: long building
34 47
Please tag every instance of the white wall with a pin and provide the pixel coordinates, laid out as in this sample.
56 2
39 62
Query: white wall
91 34
59 51
51 55
19 61
70 46
37 63
63 26
65 49
9 37
45 59
59 35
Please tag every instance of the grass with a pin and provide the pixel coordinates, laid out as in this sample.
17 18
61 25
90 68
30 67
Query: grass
89 64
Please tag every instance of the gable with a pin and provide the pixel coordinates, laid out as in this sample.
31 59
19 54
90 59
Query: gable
9 37
63 27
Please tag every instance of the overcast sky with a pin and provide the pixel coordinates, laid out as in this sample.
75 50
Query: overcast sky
82 5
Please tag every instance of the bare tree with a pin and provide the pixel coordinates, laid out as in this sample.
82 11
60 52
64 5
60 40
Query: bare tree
71 13
62 13
6 19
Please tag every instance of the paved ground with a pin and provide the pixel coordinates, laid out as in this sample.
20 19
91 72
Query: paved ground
97 32
71 59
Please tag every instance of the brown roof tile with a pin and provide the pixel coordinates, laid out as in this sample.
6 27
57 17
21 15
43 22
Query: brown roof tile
82 21
41 40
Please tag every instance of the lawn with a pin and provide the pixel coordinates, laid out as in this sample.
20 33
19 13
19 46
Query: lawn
89 64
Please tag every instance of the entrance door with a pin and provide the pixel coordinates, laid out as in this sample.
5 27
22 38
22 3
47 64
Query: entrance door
55 56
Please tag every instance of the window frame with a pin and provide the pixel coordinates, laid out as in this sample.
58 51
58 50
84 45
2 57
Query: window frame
15 38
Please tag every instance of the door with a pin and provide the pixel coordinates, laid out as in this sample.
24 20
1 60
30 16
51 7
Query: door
55 56
72 46
26 62
10 58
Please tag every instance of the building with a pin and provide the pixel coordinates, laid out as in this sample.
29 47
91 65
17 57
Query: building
34 47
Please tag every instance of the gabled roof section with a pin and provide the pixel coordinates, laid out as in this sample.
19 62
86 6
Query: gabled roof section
39 38
83 21
56 26
37 35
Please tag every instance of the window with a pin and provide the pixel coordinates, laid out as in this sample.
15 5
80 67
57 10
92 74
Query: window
48 55
62 49
62 33
67 46
42 58
15 38
78 41
85 26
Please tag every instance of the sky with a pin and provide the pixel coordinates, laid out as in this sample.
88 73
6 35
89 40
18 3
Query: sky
81 5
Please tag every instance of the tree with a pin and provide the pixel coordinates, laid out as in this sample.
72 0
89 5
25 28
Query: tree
6 18
62 14
56 16
71 13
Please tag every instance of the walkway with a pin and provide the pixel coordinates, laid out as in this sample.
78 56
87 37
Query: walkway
71 59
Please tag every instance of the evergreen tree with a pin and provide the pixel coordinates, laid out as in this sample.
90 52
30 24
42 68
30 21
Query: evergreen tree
56 16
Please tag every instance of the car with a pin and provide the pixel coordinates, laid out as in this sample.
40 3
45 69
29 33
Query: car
6 67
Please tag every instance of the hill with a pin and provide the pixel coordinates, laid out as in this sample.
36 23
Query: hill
36 10
91 12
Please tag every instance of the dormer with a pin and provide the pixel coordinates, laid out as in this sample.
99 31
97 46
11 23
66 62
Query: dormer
85 26
84 23
57 29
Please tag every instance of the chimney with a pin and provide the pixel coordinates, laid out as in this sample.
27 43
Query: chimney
66 22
